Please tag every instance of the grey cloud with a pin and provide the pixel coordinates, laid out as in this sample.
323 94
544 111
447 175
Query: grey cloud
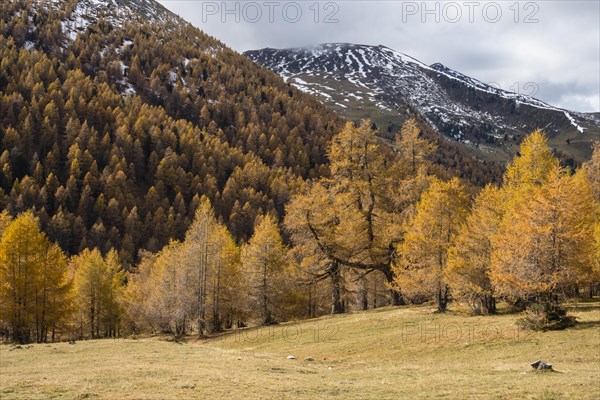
561 52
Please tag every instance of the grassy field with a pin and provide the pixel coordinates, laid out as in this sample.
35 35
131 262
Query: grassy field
398 353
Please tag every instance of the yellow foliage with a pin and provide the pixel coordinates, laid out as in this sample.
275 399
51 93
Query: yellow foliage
99 283
35 294
545 243
533 165
265 260
429 235
470 256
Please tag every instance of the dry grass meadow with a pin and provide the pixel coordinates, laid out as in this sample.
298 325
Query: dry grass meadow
389 353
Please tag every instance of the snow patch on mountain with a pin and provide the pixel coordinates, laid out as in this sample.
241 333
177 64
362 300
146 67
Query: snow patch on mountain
572 120
117 12
453 103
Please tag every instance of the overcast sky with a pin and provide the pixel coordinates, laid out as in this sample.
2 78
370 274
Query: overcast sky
551 48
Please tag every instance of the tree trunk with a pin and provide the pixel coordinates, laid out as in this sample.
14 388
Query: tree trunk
442 298
337 307
267 317
375 293
489 304
363 303
397 298
202 286
92 317
217 290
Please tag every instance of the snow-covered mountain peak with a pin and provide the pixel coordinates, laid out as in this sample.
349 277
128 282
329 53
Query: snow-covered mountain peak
360 79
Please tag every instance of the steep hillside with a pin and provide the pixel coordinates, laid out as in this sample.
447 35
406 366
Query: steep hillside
381 83
115 117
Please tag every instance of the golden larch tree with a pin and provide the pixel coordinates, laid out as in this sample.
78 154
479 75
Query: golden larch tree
99 283
469 259
543 246
35 292
265 261
429 234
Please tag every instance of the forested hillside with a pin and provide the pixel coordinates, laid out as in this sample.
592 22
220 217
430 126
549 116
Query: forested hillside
380 230
116 119
113 130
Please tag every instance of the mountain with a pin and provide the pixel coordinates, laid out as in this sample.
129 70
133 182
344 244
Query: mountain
377 82
117 116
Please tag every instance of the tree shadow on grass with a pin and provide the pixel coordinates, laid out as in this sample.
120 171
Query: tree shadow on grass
584 304
586 307
586 325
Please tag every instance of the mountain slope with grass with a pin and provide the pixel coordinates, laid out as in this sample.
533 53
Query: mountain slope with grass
117 117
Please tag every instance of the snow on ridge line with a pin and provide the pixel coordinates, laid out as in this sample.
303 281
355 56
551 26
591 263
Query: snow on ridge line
472 82
481 86
519 98
403 58
572 120
391 57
